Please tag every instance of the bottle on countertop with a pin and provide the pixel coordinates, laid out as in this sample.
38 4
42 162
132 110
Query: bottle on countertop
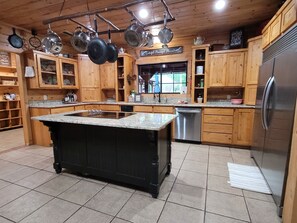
202 82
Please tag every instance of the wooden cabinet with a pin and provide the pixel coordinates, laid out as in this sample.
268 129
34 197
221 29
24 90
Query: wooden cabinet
284 18
40 132
217 71
227 68
275 28
51 72
110 107
254 60
227 126
266 37
243 126
89 79
69 73
107 76
217 125
288 16
235 69
10 114
199 72
10 110
125 78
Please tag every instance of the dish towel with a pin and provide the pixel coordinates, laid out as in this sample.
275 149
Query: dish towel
29 71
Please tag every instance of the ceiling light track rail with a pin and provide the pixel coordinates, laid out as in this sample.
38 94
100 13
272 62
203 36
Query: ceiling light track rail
115 28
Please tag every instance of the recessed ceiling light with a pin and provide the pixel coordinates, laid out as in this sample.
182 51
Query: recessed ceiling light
143 13
220 4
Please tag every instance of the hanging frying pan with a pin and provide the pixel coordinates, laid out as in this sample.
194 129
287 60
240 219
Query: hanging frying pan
165 35
15 40
34 41
112 51
97 48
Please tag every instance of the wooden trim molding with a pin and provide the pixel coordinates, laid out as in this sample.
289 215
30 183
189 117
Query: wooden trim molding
290 204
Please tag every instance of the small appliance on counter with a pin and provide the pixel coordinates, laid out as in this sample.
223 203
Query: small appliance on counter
70 98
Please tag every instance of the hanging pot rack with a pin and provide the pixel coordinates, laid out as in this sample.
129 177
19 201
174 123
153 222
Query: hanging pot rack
115 29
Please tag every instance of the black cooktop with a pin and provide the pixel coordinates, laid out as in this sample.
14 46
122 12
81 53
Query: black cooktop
102 114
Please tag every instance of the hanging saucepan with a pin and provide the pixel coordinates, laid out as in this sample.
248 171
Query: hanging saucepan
134 35
80 40
15 40
52 42
149 40
165 35
34 41
112 51
97 48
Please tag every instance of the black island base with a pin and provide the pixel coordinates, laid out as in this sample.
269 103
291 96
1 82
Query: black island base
136 157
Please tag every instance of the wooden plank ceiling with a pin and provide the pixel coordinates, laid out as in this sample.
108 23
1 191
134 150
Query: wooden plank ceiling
192 17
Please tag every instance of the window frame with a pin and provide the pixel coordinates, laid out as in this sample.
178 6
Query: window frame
161 68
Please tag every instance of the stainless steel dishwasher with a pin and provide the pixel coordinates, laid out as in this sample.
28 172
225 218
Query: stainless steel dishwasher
188 124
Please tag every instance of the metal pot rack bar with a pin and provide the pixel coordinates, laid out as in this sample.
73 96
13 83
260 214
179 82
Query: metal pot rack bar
115 29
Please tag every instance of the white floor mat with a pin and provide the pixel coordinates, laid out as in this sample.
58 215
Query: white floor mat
247 177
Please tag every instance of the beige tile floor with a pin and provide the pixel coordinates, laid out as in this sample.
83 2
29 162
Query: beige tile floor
11 139
196 191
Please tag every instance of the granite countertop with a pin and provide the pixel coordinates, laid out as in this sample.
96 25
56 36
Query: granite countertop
144 121
207 105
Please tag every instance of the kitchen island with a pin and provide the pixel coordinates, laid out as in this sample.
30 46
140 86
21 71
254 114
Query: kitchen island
129 148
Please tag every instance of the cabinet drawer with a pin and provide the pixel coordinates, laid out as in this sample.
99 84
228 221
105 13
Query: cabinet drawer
90 107
79 107
218 128
218 111
163 109
218 119
217 137
288 16
138 108
61 110
110 107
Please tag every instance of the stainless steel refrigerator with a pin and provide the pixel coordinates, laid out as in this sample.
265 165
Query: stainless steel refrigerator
274 117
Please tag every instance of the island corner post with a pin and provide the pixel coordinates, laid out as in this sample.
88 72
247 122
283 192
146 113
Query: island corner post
135 157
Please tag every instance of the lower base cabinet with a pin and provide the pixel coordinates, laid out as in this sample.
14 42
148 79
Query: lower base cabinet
227 126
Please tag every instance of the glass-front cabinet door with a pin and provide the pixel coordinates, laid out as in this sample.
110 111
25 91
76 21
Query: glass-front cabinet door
48 71
69 75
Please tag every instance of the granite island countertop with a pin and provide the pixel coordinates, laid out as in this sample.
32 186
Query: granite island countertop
144 121
196 105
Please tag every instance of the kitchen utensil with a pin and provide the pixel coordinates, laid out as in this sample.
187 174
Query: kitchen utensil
112 51
15 40
199 40
34 41
6 96
236 101
134 35
97 48
52 42
165 35
150 41
80 40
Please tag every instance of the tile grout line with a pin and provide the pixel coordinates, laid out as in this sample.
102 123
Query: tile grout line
172 184
206 187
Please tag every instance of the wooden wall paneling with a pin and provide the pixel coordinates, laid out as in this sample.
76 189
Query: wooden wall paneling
37 95
290 203
24 100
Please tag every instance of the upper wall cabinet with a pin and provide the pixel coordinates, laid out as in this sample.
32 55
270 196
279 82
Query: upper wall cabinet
51 72
281 21
227 68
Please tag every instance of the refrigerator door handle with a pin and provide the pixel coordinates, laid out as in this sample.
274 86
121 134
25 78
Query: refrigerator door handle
262 103
267 95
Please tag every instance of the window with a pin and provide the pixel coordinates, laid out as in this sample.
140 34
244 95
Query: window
163 78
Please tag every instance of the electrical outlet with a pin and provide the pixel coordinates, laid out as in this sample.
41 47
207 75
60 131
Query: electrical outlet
228 97
45 97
